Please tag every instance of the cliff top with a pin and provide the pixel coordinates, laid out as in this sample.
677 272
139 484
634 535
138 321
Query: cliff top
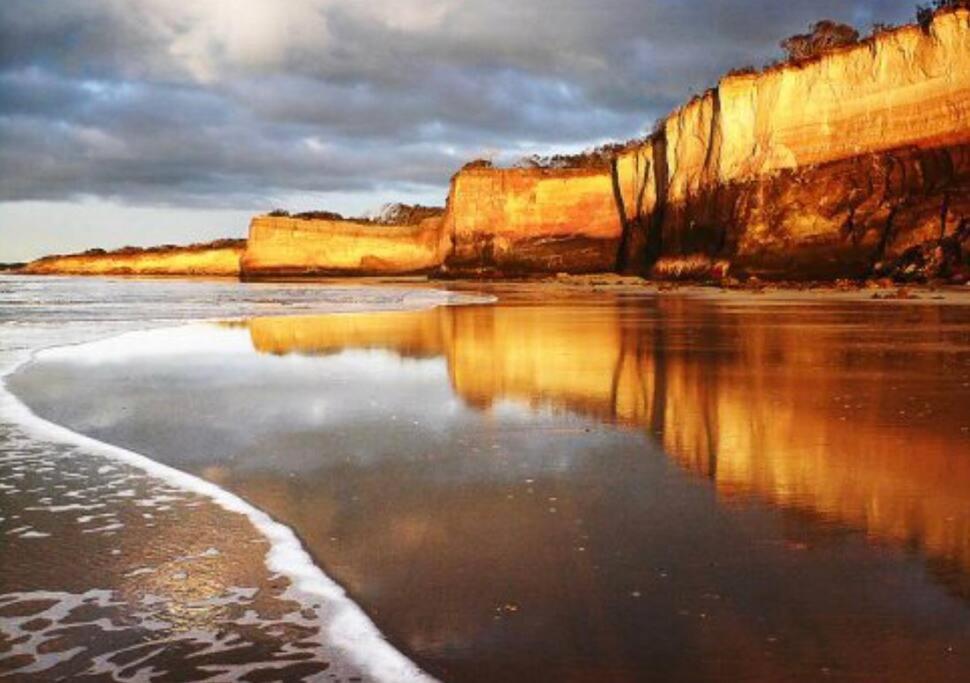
389 214
226 243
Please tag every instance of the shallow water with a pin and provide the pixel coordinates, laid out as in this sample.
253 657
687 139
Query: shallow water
587 487
115 568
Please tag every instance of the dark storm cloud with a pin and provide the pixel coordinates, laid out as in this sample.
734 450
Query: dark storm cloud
229 103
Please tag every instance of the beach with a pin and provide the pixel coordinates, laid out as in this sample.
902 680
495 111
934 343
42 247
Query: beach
524 482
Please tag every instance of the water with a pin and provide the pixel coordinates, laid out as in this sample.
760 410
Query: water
562 486
115 566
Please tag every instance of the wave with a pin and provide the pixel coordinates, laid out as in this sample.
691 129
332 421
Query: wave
348 630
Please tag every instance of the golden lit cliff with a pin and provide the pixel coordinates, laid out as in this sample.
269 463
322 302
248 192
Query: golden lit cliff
292 246
220 258
521 220
852 163
822 168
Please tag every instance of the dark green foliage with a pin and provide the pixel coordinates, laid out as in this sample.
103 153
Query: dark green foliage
825 35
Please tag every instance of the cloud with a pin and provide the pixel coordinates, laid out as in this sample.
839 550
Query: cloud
221 103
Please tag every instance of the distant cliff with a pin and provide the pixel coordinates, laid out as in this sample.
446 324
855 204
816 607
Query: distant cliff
405 241
219 258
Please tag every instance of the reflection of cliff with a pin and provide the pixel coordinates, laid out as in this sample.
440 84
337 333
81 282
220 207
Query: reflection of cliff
800 412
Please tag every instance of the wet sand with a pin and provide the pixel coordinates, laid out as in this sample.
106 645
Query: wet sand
589 486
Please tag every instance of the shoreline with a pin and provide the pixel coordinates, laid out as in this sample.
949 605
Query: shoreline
350 630
841 290
522 302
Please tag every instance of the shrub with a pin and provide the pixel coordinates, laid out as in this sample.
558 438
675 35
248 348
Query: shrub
825 35
319 215
925 13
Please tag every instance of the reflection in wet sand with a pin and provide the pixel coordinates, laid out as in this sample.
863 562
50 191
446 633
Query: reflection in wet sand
866 431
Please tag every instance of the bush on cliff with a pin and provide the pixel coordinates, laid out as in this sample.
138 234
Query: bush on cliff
319 216
598 157
825 35
925 13
405 214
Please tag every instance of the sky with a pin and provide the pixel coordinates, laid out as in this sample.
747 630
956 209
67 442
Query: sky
169 121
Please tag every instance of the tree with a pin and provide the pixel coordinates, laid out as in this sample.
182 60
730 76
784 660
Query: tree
825 35
925 13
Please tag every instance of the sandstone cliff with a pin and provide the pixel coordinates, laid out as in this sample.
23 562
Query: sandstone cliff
283 246
219 258
526 220
821 169
832 167
852 164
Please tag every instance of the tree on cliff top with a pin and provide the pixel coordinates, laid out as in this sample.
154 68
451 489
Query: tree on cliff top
925 13
825 35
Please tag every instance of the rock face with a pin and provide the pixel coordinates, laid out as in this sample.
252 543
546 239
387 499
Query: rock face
283 246
527 220
220 258
830 168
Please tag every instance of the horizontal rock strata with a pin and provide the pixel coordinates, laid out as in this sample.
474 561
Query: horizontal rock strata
283 246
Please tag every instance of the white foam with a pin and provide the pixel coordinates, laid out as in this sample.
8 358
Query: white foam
348 629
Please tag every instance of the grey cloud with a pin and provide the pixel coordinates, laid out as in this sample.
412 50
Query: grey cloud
230 104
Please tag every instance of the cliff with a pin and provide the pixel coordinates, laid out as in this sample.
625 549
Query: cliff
525 220
824 168
852 164
830 167
219 258
283 246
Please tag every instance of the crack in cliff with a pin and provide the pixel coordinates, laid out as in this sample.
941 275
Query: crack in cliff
944 211
884 239
622 255
661 179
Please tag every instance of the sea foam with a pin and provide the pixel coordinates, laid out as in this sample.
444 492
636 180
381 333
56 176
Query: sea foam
348 629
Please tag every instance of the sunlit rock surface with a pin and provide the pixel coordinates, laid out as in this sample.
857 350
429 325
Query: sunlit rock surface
219 258
524 220
815 169
852 164
824 168
293 246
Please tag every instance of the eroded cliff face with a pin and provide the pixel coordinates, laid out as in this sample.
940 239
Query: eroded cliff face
527 220
833 167
286 246
830 168
219 258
